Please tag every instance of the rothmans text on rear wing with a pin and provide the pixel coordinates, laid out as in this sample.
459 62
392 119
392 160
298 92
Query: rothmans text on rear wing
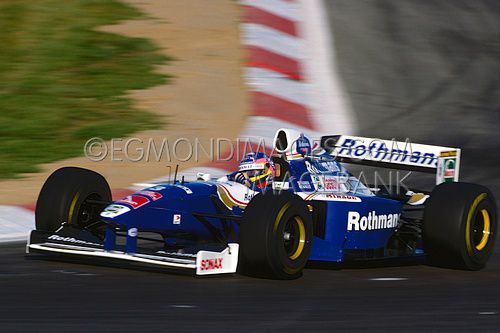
443 161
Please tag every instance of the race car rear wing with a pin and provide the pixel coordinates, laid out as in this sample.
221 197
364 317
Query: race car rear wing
443 161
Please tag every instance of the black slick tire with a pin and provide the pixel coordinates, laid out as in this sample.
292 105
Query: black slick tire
71 195
460 224
275 236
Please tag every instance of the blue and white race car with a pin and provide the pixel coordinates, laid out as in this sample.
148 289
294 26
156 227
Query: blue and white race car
276 213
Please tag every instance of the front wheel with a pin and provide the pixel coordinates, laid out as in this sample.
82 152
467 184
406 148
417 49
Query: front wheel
71 195
275 236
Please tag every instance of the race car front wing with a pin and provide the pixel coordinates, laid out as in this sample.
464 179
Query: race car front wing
204 262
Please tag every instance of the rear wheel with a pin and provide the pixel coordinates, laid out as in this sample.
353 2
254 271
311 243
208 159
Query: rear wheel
275 236
460 225
72 195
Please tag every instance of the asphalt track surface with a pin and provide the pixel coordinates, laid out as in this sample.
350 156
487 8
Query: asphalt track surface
51 296
418 69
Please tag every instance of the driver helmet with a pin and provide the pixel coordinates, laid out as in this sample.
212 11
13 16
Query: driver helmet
257 168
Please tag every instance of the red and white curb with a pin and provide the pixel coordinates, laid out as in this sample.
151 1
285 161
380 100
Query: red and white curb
293 81
291 73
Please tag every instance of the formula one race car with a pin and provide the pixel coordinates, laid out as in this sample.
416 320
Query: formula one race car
274 214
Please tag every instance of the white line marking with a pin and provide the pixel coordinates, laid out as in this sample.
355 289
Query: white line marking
183 306
62 271
487 313
389 279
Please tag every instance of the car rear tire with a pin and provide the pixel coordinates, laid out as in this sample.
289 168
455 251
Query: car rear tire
71 195
276 235
460 224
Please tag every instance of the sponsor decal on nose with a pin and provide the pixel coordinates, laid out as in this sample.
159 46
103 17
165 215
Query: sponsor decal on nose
210 264
135 201
153 195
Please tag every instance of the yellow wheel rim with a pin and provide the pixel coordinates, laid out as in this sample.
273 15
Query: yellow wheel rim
486 230
302 238
72 207
472 209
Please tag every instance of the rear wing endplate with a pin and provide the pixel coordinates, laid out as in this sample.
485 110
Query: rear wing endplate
442 161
